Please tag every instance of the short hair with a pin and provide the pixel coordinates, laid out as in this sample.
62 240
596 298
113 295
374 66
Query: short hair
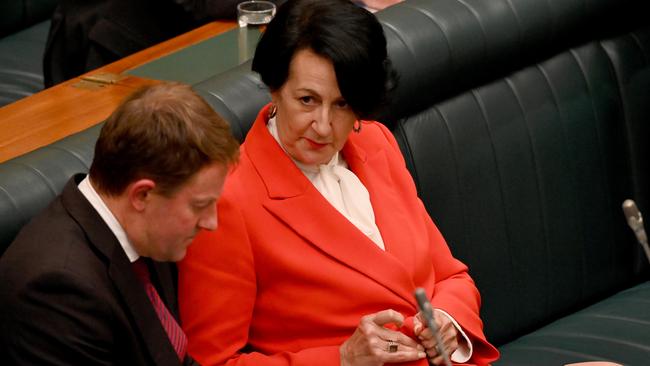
165 132
349 36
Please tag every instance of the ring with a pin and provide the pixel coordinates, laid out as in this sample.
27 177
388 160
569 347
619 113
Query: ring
391 347
438 349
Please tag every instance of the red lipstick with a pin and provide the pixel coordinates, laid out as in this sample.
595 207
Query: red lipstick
315 145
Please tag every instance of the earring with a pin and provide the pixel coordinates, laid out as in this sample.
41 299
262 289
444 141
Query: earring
356 127
272 111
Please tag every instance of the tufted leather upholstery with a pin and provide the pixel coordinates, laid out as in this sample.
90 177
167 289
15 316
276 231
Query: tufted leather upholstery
237 95
524 124
20 14
24 25
28 183
525 177
21 63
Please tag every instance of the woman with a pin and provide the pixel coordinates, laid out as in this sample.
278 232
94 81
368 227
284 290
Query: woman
322 238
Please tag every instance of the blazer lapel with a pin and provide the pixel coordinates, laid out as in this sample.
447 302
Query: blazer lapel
120 271
295 201
373 169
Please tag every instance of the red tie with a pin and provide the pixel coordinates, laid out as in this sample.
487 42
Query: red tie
174 332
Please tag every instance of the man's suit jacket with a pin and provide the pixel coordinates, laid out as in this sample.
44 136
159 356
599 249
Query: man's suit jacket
68 294
285 279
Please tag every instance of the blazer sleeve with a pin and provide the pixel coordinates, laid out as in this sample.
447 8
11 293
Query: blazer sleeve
454 291
70 325
217 299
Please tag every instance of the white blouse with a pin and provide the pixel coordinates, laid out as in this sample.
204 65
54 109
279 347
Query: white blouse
341 188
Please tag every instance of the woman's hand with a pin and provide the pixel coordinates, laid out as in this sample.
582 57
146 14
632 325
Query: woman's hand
373 345
448 335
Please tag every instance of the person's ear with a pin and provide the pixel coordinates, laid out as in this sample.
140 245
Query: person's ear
139 193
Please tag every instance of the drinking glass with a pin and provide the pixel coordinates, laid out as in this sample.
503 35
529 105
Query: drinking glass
255 12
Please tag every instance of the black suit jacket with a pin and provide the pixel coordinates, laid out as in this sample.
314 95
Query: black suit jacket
68 294
86 34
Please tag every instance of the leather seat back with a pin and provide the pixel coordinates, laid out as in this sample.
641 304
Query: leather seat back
523 123
525 177
524 133
30 182
20 14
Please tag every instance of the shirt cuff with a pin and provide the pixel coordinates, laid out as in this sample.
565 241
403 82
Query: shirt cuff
464 351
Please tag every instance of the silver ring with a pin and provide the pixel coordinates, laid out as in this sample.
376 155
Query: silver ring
391 347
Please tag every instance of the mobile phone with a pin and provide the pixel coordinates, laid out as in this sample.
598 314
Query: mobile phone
427 313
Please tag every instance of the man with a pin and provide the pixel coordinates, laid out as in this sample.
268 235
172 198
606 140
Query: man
84 282
86 34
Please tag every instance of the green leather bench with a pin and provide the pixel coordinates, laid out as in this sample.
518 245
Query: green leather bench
524 124
24 26
525 165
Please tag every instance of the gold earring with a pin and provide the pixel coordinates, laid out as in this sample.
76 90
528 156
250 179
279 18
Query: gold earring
356 127
272 111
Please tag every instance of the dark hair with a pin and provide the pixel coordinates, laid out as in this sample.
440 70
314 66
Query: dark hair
349 36
164 132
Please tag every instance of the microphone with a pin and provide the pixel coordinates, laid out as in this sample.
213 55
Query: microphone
427 312
635 221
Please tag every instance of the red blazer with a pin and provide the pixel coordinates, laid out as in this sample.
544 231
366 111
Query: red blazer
285 278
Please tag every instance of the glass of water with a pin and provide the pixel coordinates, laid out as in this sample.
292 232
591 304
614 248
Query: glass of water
255 12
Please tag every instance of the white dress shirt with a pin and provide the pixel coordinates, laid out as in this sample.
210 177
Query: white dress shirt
96 201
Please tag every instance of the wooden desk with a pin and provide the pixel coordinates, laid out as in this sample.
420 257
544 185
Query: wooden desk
64 109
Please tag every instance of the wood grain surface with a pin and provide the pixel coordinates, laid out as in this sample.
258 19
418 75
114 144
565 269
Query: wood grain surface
65 109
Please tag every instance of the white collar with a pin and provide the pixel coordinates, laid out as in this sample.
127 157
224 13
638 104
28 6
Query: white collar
96 201
308 170
341 188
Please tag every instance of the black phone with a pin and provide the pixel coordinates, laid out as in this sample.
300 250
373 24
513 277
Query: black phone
427 312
